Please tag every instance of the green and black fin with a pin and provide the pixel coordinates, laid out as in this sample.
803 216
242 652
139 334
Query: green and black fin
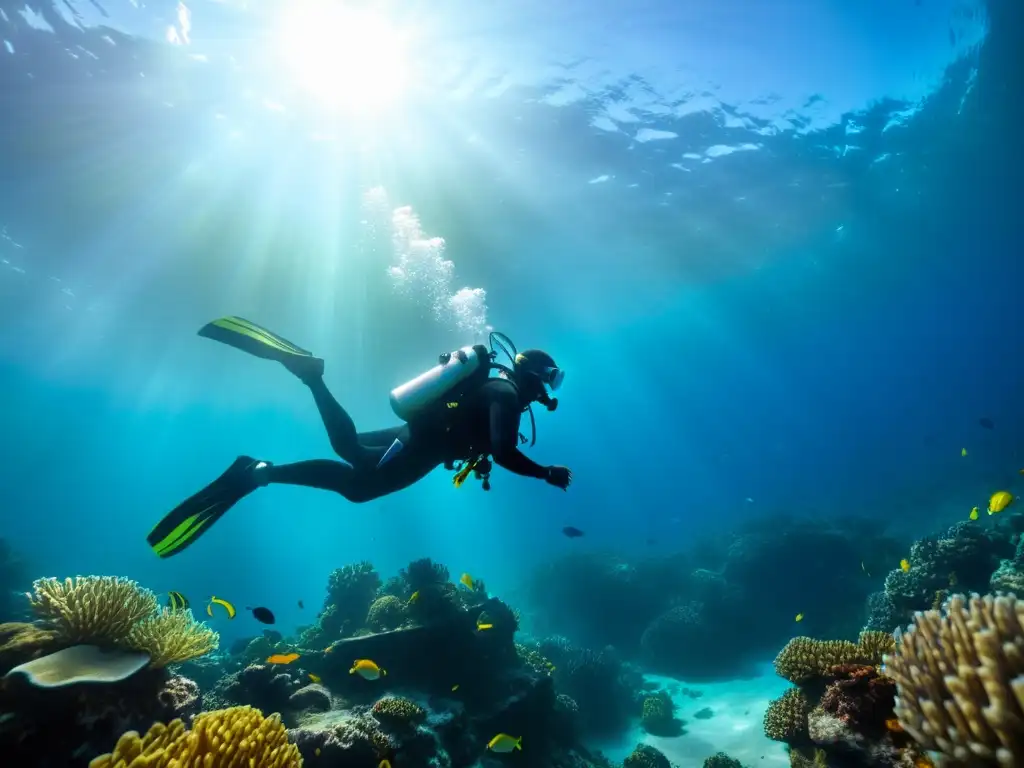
245 335
194 516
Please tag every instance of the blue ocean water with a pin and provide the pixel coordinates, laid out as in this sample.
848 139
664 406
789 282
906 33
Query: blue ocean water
775 247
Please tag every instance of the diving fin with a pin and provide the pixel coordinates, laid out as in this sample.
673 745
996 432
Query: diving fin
245 335
194 516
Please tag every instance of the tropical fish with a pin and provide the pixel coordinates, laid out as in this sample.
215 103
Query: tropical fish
223 604
455 687
366 669
415 596
282 658
904 565
505 743
262 615
313 678
301 606
963 451
1000 500
177 601
974 513
987 423
482 626
799 617
384 764
572 532
466 580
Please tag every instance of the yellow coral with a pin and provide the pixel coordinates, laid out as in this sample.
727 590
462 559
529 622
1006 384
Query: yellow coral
171 637
786 717
226 738
874 645
91 609
804 658
959 677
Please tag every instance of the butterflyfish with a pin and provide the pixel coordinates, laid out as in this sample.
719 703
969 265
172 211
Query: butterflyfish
415 596
177 601
223 604
366 669
505 743
466 580
282 658
1000 500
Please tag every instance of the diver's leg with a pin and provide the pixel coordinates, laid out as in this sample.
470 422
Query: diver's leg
341 430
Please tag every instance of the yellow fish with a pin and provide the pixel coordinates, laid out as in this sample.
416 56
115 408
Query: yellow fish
415 597
384 764
366 669
974 513
799 617
963 451
1000 500
455 687
466 580
505 743
904 565
223 604
314 678
482 627
282 658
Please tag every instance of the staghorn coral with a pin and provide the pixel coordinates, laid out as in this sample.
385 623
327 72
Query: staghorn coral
874 646
386 612
786 717
860 697
227 738
171 637
646 756
804 658
958 673
91 609
398 711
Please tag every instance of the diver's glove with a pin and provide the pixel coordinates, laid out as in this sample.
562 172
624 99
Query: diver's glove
560 477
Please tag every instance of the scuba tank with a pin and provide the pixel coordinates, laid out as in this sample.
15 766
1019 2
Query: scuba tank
415 397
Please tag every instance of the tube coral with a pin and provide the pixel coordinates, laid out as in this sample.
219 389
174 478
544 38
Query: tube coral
958 673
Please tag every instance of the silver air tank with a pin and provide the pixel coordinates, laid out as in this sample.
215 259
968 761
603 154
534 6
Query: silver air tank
409 399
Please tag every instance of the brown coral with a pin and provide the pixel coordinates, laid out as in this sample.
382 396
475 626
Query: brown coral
959 676
804 658
786 718
860 697
226 738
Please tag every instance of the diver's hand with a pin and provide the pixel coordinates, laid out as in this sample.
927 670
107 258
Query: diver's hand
560 477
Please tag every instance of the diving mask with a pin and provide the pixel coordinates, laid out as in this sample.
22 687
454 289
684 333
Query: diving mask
553 378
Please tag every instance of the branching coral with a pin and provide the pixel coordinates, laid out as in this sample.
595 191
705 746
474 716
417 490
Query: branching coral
959 676
92 609
874 645
804 658
786 717
386 612
398 711
171 637
227 738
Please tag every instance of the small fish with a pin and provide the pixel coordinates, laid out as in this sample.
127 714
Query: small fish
904 565
301 606
313 678
455 687
953 579
384 764
799 617
572 532
366 669
987 423
864 568
415 597
483 625
963 451
466 580
317 752
223 604
262 615
505 743
177 601
974 513
893 724
1000 500
328 649
282 658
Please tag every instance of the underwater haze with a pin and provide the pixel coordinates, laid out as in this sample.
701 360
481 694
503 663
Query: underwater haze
775 248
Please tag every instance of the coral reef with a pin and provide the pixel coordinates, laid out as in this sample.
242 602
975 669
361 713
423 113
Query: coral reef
786 717
386 612
101 610
646 756
219 739
958 672
722 760
398 711
657 716
350 591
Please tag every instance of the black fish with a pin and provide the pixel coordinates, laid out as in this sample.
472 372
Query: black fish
263 615
987 423
572 532
177 601
301 605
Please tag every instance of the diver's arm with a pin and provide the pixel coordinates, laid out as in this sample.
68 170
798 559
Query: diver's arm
504 414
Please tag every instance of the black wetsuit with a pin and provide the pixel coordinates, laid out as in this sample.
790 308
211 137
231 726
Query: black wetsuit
487 423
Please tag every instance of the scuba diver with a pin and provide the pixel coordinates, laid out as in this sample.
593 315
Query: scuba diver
456 415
